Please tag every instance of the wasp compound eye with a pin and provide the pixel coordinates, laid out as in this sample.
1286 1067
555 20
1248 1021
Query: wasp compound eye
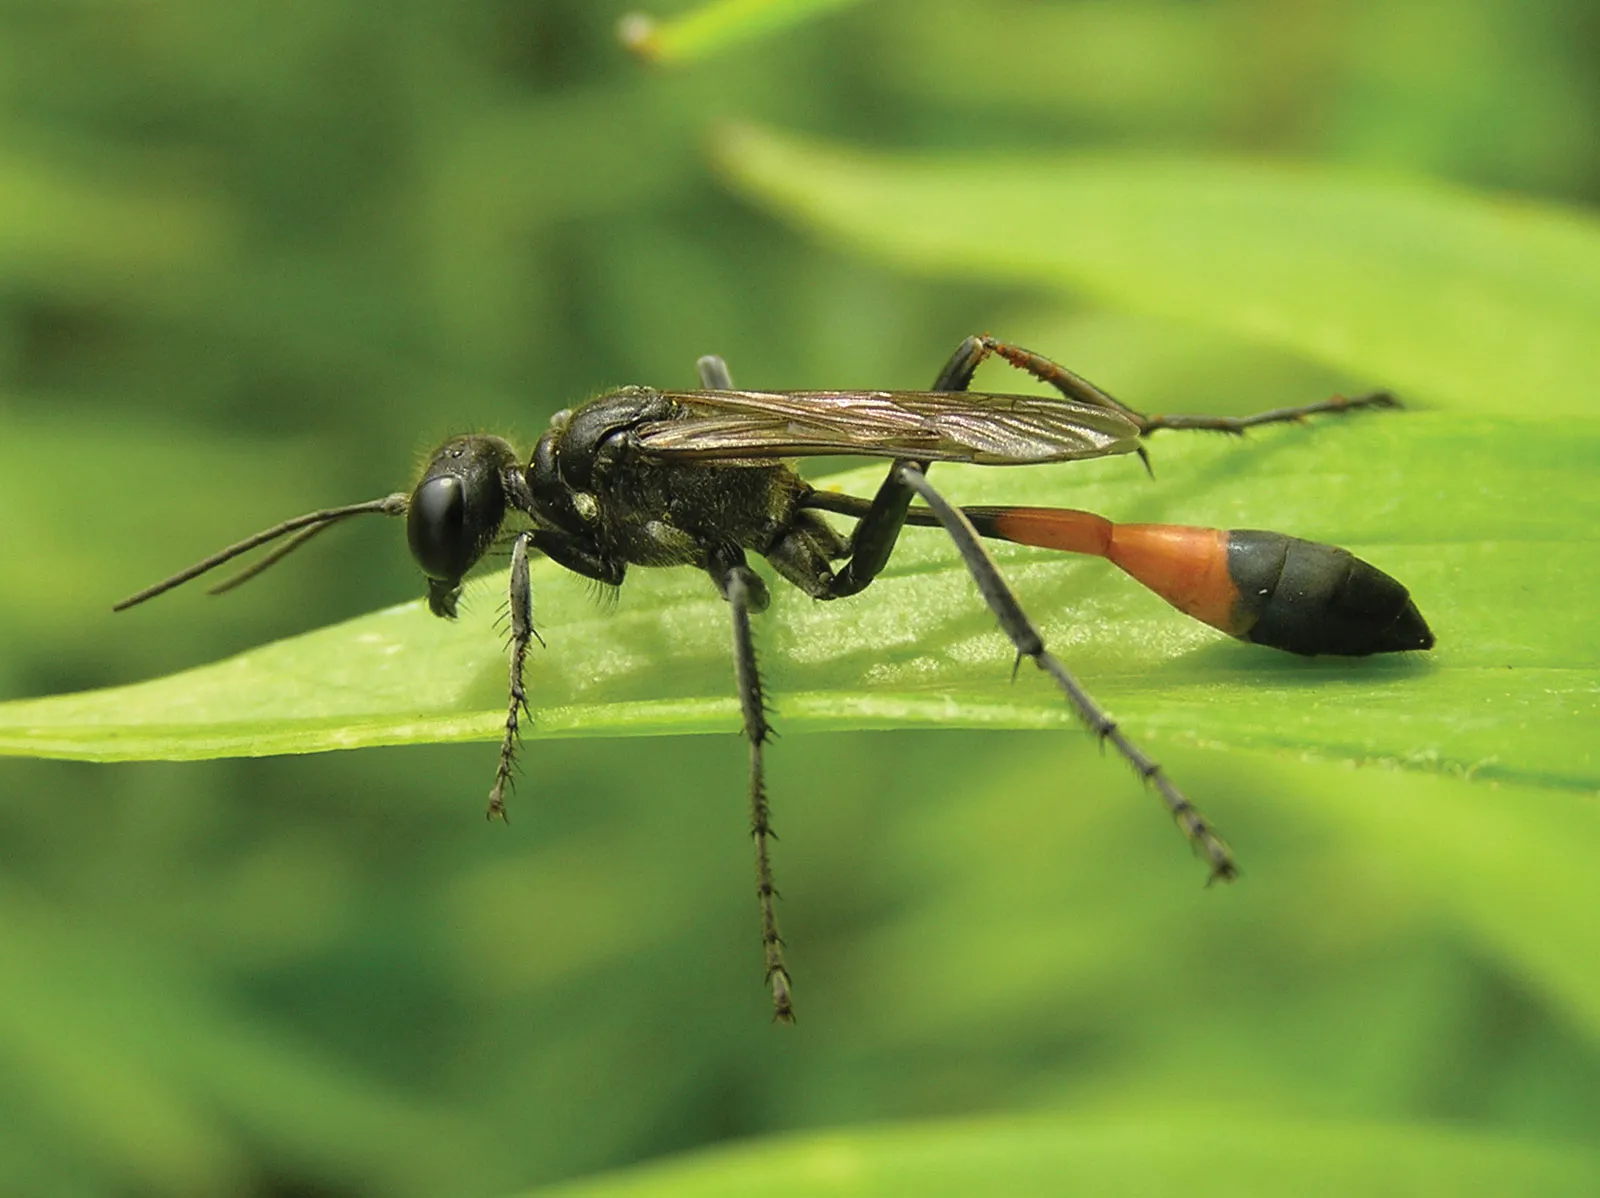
434 527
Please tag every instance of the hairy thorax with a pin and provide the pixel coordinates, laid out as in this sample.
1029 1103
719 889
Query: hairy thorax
666 513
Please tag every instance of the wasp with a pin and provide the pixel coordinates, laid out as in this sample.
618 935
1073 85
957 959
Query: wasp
644 477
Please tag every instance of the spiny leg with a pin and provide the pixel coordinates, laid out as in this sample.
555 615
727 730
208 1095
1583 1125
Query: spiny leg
745 592
582 558
1074 386
1029 643
521 609
1237 425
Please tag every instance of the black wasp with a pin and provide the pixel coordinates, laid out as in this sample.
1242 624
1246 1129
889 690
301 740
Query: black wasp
697 478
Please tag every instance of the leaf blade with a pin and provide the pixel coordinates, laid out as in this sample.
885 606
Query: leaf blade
1432 499
1190 1152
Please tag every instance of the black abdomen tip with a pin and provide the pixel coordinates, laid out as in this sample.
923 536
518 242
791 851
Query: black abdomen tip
1309 598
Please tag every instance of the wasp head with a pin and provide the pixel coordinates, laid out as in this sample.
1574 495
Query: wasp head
455 512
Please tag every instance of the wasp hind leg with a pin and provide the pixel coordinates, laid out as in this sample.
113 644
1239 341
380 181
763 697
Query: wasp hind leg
1030 644
1076 387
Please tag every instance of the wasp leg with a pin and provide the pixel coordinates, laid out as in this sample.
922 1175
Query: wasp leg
875 536
1029 643
745 592
879 528
579 556
801 554
1076 387
576 556
963 364
521 599
1238 424
1073 386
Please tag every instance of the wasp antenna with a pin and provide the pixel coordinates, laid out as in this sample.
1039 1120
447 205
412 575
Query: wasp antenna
389 505
272 559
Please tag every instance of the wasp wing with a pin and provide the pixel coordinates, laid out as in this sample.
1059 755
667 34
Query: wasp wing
938 426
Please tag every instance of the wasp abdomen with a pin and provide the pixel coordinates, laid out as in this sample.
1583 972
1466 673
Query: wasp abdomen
1275 590
1310 598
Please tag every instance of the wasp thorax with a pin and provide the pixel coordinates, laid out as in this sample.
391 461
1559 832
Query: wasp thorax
457 507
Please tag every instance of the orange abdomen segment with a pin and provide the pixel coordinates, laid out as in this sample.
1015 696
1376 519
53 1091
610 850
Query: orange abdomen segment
1047 527
1186 566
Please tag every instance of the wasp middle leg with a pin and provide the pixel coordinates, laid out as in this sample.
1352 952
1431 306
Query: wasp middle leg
745 592
878 531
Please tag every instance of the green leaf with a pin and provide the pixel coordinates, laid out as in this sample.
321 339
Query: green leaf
1511 692
1471 301
1191 1153
714 27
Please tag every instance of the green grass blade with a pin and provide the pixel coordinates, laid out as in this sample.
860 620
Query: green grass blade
1472 301
715 27
1513 690
1196 1155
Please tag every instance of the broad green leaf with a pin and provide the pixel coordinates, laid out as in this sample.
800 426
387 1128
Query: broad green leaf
1190 1153
715 26
1441 502
1469 300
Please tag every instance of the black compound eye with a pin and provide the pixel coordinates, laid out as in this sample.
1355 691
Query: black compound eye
457 507
436 528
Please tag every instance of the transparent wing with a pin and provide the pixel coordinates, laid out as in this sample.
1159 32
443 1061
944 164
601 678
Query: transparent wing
940 426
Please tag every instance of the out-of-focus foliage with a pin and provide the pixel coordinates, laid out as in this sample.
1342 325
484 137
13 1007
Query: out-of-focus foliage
1122 1160
258 256
715 27
1464 301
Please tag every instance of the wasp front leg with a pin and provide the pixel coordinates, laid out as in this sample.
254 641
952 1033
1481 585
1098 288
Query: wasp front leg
575 555
520 597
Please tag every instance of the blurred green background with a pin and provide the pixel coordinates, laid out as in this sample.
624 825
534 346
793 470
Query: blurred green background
256 258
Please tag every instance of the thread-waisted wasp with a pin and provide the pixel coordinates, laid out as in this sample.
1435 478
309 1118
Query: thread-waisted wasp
645 477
